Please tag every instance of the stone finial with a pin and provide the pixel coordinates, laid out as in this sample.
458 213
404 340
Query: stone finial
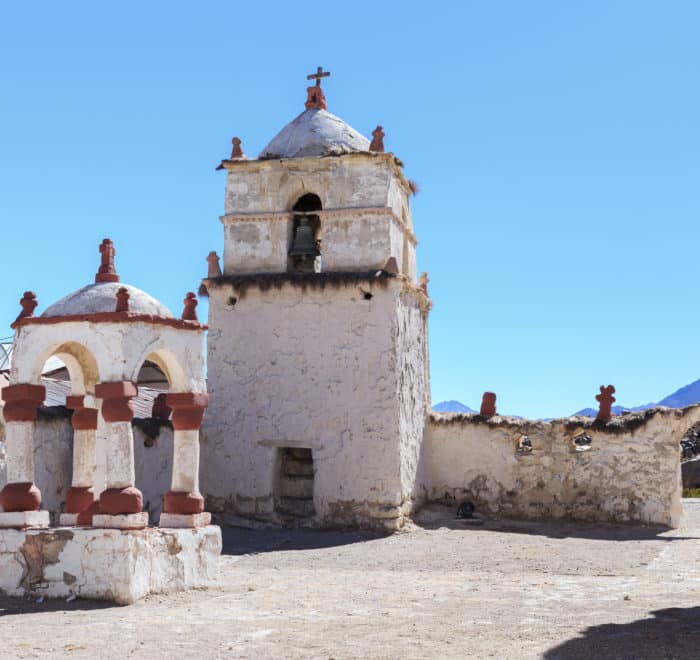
214 268
122 300
28 302
377 140
315 98
189 313
423 282
107 272
161 409
488 405
236 152
606 399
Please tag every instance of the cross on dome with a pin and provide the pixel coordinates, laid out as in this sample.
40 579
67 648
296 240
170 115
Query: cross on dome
315 98
320 73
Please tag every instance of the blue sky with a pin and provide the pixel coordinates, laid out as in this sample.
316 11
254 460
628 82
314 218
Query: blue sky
555 144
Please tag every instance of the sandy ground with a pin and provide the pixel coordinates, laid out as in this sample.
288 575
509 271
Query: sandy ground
440 589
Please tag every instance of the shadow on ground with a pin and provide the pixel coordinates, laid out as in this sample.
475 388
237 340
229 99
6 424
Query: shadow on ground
671 633
434 516
30 605
241 541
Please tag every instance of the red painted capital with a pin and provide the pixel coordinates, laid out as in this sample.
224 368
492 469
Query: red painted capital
188 409
21 401
83 419
116 400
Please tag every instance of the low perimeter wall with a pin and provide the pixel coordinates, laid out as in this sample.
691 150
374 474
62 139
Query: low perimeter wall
627 470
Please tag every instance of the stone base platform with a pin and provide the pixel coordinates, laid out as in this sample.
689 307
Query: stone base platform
107 564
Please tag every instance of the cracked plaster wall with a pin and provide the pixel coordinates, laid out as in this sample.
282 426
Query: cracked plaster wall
320 369
630 474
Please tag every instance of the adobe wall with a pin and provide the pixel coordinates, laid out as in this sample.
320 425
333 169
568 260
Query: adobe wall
314 362
631 473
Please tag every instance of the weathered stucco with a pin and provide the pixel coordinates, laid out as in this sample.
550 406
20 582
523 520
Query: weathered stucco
316 367
631 473
365 216
109 564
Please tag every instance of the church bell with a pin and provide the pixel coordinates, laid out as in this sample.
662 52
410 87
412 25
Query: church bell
304 245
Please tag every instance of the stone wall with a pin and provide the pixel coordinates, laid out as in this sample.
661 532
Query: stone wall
630 472
315 363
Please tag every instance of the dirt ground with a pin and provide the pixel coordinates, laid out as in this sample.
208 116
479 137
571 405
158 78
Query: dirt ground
440 589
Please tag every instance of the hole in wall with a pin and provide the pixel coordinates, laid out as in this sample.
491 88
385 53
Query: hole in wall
367 295
232 301
524 445
582 442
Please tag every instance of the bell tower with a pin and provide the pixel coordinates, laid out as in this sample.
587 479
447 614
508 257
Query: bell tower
318 360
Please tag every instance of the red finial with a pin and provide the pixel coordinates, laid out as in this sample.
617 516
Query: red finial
214 268
190 311
377 140
28 303
606 400
488 405
122 300
107 272
236 152
423 282
315 98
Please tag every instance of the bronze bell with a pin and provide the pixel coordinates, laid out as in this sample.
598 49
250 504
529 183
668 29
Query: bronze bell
304 244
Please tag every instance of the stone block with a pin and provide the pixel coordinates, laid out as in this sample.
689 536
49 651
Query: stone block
123 521
302 487
179 520
108 564
24 519
296 468
299 508
68 519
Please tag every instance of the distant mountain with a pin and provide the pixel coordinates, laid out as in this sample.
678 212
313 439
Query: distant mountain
452 406
685 396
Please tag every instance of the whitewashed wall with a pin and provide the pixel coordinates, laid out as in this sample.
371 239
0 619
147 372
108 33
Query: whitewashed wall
630 474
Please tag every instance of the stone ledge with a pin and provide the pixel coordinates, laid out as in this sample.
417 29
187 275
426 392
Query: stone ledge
125 521
24 519
181 521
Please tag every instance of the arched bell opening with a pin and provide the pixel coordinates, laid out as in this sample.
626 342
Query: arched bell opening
305 247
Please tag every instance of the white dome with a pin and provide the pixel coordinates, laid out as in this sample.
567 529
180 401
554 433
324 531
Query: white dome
102 297
315 132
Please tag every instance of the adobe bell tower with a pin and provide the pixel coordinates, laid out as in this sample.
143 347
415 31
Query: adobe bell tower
317 347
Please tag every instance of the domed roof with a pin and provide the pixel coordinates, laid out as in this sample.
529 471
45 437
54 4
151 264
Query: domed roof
102 297
315 132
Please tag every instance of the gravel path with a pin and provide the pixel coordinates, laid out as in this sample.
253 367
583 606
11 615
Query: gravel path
440 589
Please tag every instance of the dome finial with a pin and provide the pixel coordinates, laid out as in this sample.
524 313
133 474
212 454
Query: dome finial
315 98
107 272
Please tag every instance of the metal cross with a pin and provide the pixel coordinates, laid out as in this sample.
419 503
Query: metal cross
320 73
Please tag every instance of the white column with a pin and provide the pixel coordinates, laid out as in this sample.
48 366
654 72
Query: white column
185 461
119 455
19 449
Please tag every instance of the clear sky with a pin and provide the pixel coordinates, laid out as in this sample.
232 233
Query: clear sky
556 146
